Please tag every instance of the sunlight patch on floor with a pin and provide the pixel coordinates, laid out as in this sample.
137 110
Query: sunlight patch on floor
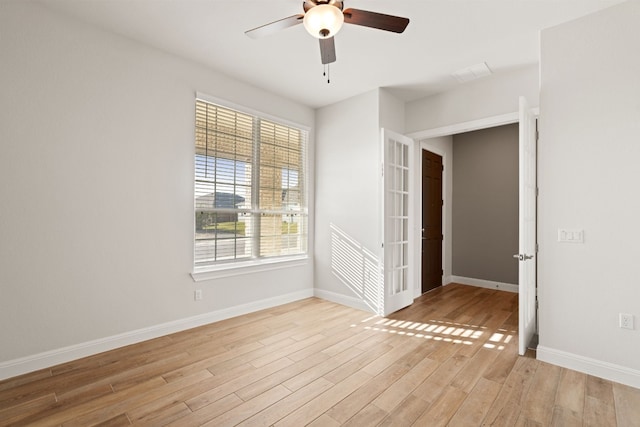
437 330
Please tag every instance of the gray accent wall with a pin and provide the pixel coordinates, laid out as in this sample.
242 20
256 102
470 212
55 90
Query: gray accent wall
485 204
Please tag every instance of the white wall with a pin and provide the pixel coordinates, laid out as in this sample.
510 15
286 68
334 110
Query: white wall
391 111
588 177
348 196
487 97
96 169
347 162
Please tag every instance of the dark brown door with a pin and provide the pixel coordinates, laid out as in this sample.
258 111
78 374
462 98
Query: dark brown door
431 220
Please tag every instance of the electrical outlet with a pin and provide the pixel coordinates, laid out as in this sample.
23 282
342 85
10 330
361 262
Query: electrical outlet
197 295
626 321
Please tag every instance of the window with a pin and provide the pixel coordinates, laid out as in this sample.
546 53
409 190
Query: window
250 195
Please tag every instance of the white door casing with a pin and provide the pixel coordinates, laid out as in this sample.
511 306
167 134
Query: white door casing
398 272
527 227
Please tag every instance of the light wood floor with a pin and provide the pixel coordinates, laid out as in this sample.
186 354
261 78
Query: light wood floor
450 359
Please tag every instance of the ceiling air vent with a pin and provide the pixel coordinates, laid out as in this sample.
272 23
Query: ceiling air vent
471 73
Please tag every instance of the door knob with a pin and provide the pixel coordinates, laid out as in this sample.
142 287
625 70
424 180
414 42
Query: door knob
523 257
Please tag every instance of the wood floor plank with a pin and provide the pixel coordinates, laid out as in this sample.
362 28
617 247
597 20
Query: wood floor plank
131 398
442 409
436 383
287 405
563 417
83 394
260 386
161 416
322 403
357 337
286 351
403 387
228 387
150 370
600 389
370 415
18 413
381 363
178 392
450 358
469 375
104 404
208 412
250 407
117 421
406 412
69 400
503 414
230 360
359 399
504 363
12 383
506 408
322 369
539 403
321 344
570 394
324 421
627 401
475 407
597 413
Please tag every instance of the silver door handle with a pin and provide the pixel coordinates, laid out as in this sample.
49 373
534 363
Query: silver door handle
523 257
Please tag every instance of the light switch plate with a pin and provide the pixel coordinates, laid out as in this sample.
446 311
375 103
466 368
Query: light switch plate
570 235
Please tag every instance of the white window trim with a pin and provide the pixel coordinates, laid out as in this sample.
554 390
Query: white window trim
250 111
250 266
247 267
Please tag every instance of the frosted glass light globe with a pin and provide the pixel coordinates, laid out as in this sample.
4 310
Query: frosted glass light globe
323 21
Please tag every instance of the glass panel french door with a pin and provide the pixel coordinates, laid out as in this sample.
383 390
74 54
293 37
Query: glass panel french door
397 221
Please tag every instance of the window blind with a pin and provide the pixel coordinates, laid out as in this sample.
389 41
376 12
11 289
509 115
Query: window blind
250 197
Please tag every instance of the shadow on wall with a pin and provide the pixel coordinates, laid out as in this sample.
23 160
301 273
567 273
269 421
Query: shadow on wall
357 268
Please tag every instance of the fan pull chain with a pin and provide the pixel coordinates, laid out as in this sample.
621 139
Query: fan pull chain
327 72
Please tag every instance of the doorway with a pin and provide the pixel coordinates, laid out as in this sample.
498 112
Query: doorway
440 137
432 236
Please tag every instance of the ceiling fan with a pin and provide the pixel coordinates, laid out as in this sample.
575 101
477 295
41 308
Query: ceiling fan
324 18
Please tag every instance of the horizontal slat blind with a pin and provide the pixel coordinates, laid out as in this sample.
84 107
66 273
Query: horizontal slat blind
250 199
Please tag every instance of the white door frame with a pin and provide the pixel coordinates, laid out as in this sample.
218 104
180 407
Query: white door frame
487 122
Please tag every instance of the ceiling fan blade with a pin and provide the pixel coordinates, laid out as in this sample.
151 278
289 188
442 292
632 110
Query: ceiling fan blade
380 21
308 4
274 27
327 50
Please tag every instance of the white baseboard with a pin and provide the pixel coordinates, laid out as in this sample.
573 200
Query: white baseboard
346 300
597 368
509 287
50 358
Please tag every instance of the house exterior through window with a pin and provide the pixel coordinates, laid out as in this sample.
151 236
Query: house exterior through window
250 188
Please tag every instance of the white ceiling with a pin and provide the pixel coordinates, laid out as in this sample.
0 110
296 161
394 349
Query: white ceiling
442 37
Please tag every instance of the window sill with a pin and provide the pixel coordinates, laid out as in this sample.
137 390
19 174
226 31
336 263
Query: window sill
249 267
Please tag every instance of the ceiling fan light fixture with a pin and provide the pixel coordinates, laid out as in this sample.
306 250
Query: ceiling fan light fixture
323 21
